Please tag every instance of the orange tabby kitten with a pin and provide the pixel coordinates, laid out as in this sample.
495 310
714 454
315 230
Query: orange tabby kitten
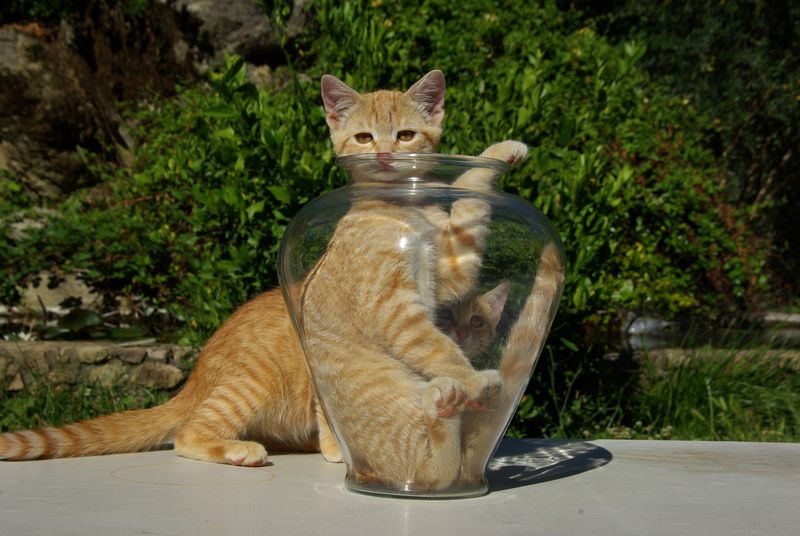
250 387
395 384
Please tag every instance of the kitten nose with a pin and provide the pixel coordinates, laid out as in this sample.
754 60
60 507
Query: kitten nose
461 334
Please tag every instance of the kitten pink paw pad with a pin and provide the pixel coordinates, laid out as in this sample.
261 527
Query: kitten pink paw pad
485 385
448 406
447 397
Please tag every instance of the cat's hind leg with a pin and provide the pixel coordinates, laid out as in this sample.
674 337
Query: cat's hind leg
327 441
438 455
212 432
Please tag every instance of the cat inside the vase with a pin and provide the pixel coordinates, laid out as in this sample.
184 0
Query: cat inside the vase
394 385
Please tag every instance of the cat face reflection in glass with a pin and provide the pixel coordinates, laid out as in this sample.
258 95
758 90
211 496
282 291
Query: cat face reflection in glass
472 322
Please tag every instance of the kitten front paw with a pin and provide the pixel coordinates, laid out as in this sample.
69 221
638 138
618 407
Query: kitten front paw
510 151
444 397
482 388
246 453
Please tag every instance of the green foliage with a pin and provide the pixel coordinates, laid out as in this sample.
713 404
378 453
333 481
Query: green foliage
195 225
614 163
32 9
735 62
618 166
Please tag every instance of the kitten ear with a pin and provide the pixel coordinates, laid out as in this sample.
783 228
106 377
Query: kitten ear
496 298
429 92
338 98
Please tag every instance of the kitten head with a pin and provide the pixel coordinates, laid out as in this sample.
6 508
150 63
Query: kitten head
385 121
472 322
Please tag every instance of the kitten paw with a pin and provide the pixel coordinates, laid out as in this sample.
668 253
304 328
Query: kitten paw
246 453
510 151
331 451
444 397
482 388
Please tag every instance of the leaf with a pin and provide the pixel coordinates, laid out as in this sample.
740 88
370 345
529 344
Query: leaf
569 344
79 319
225 133
280 193
254 209
221 112
565 129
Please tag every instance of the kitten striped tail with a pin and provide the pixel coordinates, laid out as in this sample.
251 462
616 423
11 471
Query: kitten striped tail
523 346
526 338
128 431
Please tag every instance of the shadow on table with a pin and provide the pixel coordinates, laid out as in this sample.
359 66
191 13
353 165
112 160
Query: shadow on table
521 462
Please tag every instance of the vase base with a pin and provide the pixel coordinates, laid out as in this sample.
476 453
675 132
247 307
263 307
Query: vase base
459 490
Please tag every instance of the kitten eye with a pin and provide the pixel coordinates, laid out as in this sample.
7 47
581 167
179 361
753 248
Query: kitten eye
363 137
406 135
476 321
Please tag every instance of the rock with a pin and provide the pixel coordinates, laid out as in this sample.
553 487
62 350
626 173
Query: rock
242 27
260 76
57 293
107 375
132 355
181 353
93 354
63 375
34 359
159 353
17 384
159 375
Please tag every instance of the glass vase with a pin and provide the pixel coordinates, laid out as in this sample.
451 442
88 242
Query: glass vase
422 296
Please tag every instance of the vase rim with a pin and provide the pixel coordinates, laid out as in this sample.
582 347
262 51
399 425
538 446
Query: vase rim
465 161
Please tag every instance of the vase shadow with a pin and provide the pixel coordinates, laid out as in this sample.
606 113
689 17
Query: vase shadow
522 462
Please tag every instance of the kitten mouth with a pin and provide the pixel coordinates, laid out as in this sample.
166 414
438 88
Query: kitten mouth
384 161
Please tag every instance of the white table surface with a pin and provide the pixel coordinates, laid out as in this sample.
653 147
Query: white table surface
537 487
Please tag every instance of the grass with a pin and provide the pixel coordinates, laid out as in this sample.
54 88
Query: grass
46 405
713 394
736 390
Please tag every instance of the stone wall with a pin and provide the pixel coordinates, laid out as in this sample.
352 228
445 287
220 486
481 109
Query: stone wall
27 364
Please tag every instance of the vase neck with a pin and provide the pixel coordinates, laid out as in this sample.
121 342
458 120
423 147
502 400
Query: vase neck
421 170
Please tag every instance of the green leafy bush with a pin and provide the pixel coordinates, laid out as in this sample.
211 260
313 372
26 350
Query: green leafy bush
618 166
735 62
